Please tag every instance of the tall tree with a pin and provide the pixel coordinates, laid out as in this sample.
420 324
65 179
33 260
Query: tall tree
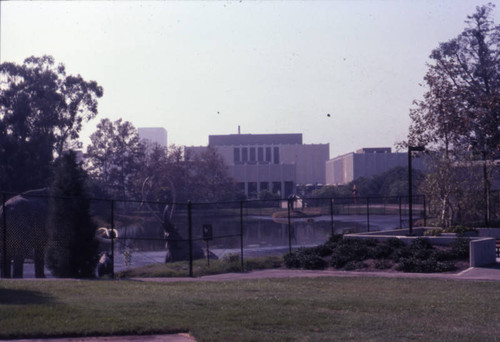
42 110
115 157
460 110
72 248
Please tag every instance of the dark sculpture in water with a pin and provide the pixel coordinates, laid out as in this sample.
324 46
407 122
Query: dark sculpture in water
26 218
177 246
105 264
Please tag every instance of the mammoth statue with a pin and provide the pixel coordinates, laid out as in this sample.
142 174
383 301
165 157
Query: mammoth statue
26 235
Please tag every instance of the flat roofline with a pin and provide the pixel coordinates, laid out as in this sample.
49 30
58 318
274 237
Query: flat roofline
255 139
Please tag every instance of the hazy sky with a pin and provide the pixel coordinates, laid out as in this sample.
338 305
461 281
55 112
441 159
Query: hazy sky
201 68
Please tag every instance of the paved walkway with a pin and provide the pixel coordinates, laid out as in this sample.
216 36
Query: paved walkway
491 273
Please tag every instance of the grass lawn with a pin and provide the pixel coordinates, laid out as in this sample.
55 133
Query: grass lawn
299 309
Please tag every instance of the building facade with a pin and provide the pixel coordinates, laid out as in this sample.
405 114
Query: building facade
366 162
272 162
155 135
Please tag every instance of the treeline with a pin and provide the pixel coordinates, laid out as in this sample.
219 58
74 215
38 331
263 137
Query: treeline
42 112
393 182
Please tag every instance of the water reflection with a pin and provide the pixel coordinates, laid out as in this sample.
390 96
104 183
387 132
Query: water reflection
258 231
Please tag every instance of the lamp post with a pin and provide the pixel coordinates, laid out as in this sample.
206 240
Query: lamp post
486 187
410 199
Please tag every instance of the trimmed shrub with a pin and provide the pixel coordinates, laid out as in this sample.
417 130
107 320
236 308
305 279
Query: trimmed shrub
433 232
306 258
291 260
354 265
395 243
323 250
460 247
382 251
383 264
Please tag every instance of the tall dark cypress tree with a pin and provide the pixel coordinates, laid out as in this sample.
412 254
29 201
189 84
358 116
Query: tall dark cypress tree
72 250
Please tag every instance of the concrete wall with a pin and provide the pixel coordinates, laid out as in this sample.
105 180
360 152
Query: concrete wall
482 252
366 163
481 249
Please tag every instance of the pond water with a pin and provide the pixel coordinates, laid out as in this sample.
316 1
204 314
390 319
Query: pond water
258 231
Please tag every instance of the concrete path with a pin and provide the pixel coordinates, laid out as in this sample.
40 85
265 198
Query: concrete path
491 273
143 338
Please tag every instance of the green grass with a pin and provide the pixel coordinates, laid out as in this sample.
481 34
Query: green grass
298 309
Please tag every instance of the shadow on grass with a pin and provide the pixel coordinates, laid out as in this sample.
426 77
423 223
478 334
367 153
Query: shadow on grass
23 297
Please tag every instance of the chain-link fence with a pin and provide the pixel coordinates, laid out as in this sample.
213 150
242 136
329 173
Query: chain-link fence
132 234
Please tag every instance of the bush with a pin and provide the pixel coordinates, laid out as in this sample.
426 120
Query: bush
291 260
354 265
383 264
334 240
420 244
460 230
428 265
433 232
306 258
395 243
382 251
443 255
323 250
460 247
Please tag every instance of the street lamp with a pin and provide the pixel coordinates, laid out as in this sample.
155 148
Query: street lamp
410 199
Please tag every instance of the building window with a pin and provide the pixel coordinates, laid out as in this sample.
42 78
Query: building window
277 188
264 186
237 157
252 154
268 154
260 154
244 152
288 189
240 187
252 189
276 155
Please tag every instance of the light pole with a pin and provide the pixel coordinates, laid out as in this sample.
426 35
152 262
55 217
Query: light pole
486 187
410 199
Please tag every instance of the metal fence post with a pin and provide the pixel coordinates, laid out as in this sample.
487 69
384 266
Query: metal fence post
400 214
241 236
6 264
190 238
368 212
425 212
112 239
289 227
331 215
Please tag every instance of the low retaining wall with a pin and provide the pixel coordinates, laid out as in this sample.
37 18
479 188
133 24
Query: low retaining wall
482 252
481 249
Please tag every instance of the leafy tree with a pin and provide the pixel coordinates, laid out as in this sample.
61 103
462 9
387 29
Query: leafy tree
460 112
115 157
174 176
331 192
461 107
211 177
72 248
393 182
42 110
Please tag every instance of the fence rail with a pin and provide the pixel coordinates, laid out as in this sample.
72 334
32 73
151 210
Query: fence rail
245 228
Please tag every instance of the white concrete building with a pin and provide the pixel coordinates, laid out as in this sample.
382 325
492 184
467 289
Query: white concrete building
366 162
273 162
156 135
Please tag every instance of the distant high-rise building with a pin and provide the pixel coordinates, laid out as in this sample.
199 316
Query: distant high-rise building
156 135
